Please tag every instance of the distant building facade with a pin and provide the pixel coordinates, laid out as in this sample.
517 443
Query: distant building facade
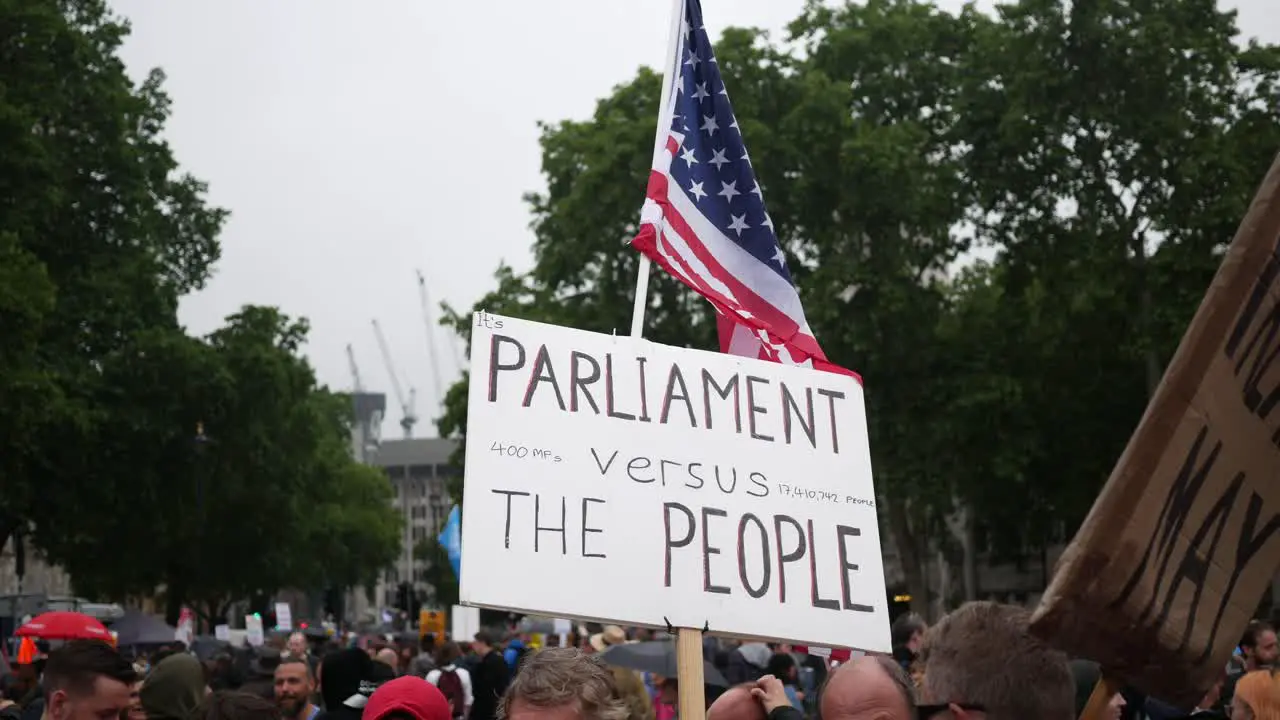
417 469
366 431
39 577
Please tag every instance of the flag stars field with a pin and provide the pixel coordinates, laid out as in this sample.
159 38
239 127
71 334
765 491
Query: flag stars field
727 250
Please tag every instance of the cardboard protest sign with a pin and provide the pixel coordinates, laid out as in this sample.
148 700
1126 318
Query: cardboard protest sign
1176 553
618 480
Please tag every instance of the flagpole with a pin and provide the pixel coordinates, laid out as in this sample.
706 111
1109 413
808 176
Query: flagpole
642 297
671 67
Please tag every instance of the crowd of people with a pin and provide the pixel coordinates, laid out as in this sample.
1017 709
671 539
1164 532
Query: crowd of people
979 662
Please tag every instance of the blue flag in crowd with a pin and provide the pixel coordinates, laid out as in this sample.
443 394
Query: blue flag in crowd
451 540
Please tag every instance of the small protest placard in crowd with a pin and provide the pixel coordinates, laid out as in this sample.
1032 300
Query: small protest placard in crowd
284 617
1172 561
615 479
253 630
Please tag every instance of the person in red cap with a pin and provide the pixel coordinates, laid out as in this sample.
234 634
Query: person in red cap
407 698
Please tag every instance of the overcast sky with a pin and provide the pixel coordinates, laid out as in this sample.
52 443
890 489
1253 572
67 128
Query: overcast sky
357 142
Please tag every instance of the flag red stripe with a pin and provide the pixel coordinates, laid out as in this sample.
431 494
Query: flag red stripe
770 317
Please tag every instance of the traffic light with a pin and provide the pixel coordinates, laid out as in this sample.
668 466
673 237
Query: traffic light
403 596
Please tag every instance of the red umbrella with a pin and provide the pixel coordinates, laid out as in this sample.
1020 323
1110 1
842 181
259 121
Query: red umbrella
64 626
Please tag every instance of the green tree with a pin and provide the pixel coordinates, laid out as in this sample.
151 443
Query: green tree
439 573
1114 145
351 530
27 394
99 235
144 458
239 478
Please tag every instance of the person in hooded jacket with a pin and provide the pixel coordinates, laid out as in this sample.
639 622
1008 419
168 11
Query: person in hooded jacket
175 689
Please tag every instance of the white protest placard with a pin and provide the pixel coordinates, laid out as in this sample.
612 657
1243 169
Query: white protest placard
253 630
222 632
284 617
464 623
185 631
615 479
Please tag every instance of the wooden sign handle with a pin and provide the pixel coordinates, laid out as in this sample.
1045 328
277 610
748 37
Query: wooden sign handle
689 673
1103 691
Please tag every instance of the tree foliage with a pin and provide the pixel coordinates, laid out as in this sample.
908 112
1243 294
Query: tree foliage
238 475
100 233
439 573
139 457
1004 221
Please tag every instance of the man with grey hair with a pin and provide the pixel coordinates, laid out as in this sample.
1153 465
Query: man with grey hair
982 662
562 684
299 649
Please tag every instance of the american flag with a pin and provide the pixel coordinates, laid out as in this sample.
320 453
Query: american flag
704 219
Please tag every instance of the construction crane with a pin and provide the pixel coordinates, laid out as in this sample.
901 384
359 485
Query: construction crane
356 385
408 418
431 338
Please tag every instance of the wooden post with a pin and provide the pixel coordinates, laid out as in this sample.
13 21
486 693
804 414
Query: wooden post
1102 693
689 673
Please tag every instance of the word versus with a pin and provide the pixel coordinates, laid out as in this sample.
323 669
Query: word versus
694 475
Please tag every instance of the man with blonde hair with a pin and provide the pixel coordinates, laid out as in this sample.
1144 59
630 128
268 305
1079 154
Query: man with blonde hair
563 684
982 662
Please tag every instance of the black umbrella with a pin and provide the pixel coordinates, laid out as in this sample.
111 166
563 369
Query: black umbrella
138 628
657 657
205 647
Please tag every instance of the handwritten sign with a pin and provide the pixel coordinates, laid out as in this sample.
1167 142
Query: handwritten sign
1169 567
617 480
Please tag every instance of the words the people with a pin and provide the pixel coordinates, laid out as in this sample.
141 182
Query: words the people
767 410
756 554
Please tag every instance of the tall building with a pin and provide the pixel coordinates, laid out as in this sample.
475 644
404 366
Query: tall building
369 409
417 468
366 432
